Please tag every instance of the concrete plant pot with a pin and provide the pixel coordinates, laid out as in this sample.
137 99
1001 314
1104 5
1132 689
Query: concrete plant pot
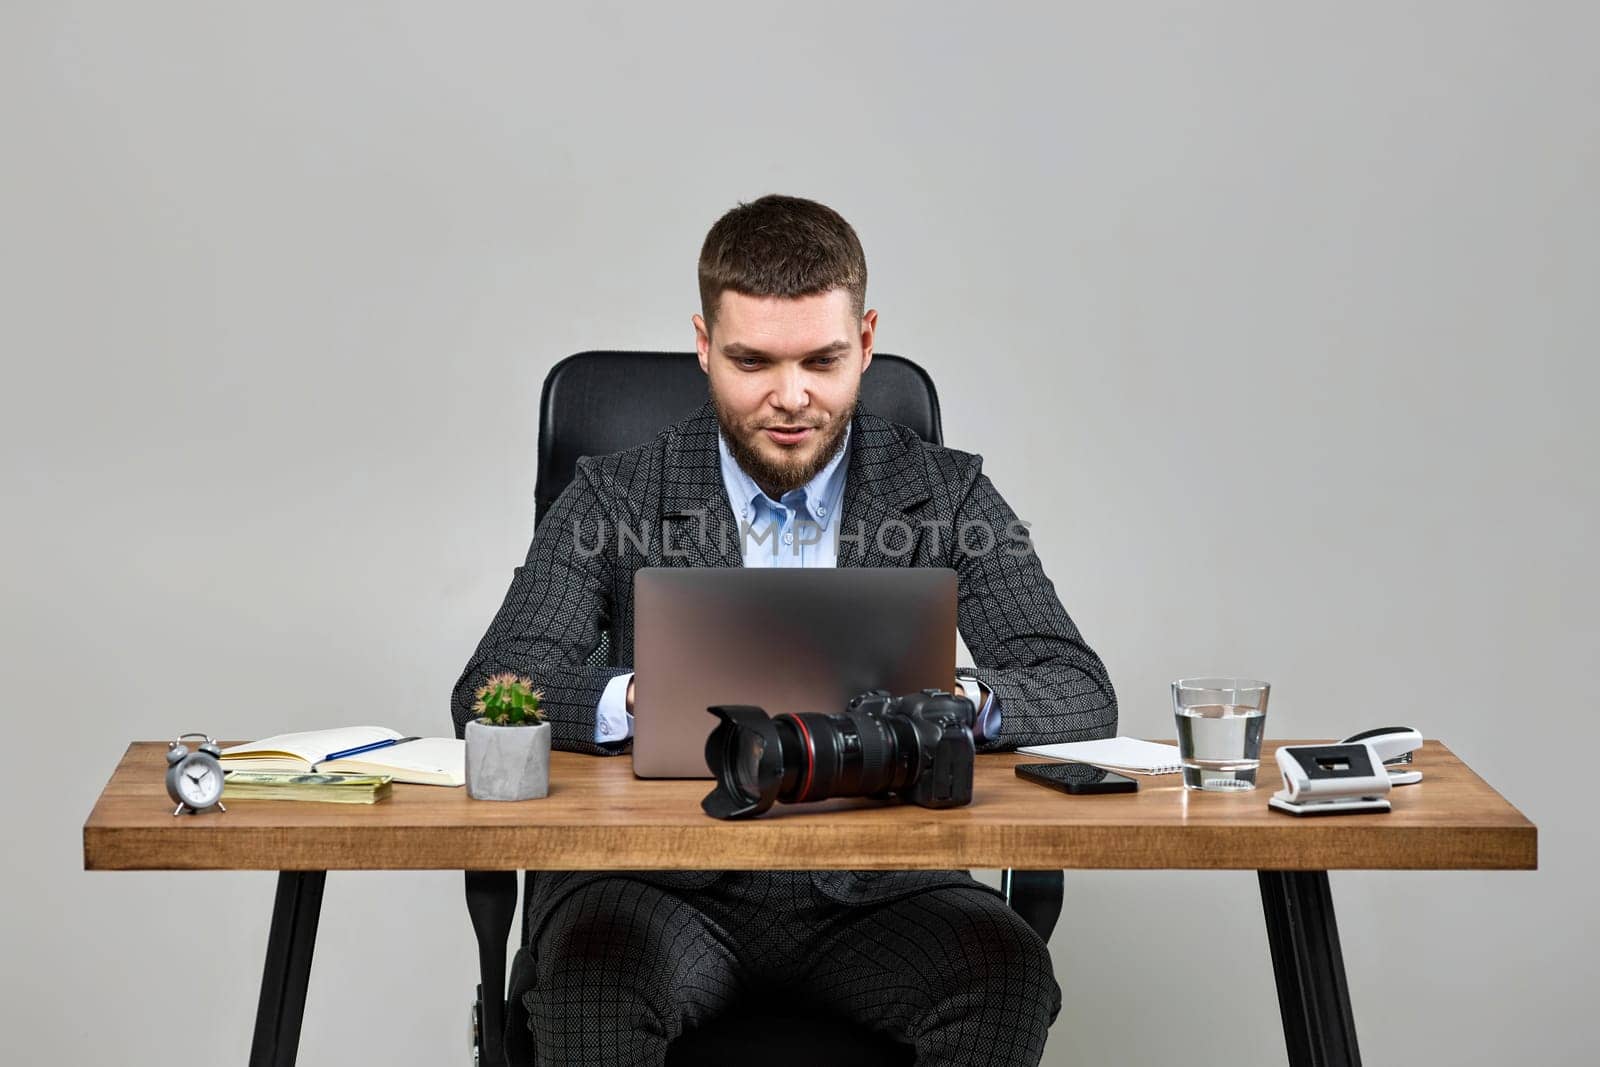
508 762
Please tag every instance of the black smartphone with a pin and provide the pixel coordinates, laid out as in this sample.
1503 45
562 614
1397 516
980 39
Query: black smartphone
1076 778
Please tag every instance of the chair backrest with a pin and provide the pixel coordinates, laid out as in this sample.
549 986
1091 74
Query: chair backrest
595 403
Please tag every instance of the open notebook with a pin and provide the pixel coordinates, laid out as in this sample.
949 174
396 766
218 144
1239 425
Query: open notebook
423 760
1122 754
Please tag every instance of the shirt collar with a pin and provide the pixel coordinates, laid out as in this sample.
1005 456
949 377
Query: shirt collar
819 498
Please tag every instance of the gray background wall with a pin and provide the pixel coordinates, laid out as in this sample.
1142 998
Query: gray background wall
1276 320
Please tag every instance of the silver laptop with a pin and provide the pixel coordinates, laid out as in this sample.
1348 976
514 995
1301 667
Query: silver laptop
783 639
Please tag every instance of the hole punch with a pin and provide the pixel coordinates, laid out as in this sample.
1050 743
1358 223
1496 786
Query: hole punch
1341 779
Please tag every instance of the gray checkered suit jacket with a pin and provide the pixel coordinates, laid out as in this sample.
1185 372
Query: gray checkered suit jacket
669 493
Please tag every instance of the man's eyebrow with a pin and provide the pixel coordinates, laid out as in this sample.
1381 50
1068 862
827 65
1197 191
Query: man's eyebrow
741 351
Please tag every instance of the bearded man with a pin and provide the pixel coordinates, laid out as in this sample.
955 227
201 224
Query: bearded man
783 467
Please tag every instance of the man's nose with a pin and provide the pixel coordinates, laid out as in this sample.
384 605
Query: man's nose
791 392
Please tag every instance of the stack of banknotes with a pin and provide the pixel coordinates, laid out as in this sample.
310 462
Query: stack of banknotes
324 788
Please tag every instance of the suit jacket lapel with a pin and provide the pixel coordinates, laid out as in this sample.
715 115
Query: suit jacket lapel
697 525
886 483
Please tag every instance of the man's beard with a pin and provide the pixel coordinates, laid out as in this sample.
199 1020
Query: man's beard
779 478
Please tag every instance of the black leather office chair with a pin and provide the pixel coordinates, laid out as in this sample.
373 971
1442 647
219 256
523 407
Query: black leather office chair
595 403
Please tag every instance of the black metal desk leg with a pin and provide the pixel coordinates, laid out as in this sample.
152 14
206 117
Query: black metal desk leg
283 983
1036 896
1313 998
492 903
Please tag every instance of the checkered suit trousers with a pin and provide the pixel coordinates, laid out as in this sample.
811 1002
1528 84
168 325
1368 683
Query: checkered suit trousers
622 967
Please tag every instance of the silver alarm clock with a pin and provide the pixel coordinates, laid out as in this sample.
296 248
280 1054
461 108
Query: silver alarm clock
194 779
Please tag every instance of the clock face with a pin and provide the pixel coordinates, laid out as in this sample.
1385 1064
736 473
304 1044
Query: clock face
199 783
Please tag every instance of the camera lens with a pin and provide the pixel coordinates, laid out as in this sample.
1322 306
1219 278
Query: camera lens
850 754
747 762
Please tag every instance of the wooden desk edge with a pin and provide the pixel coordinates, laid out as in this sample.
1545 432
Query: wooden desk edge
683 848
1282 843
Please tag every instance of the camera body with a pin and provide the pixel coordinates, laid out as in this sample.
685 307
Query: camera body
940 725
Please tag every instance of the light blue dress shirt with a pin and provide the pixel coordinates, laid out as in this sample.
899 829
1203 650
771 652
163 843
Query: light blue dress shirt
798 530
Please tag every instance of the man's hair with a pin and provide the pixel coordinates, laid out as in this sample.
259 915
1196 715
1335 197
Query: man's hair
781 246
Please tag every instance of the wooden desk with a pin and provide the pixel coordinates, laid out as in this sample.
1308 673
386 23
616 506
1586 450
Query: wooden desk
599 817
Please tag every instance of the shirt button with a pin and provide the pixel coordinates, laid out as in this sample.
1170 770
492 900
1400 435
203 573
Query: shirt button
822 509
788 538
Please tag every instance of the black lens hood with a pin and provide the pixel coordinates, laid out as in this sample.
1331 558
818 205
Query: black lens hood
727 800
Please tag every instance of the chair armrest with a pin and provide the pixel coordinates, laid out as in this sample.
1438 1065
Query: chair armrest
1036 896
492 903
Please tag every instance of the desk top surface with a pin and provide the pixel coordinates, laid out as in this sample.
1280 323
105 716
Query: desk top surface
599 817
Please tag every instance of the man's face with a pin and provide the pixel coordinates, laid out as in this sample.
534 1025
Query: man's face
784 376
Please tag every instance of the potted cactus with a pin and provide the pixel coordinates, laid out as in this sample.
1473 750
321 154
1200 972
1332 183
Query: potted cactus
508 743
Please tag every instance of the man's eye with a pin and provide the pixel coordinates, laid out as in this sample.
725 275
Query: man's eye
826 361
749 362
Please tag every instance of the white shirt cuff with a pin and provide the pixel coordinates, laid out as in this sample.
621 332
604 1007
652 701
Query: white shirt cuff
612 723
987 725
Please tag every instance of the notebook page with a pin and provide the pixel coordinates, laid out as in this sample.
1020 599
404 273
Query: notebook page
1114 753
427 760
309 745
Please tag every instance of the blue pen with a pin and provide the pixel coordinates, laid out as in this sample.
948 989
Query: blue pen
366 748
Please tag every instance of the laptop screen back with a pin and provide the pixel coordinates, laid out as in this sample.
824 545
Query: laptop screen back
783 639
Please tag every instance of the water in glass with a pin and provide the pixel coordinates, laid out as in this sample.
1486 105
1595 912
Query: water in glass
1220 745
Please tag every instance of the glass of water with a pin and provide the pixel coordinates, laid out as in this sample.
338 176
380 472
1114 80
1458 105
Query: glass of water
1219 731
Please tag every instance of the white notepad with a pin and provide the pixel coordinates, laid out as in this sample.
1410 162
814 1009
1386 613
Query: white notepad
1114 754
423 760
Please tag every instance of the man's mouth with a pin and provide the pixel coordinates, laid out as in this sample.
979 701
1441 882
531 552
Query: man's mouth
789 435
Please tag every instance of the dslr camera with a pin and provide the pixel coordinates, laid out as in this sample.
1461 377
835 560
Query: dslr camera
917 746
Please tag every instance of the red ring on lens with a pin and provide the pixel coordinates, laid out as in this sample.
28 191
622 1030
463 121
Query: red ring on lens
811 763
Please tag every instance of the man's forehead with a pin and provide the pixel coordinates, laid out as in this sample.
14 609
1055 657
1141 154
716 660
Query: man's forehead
818 324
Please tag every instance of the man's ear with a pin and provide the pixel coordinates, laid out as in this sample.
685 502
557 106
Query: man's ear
702 343
869 329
